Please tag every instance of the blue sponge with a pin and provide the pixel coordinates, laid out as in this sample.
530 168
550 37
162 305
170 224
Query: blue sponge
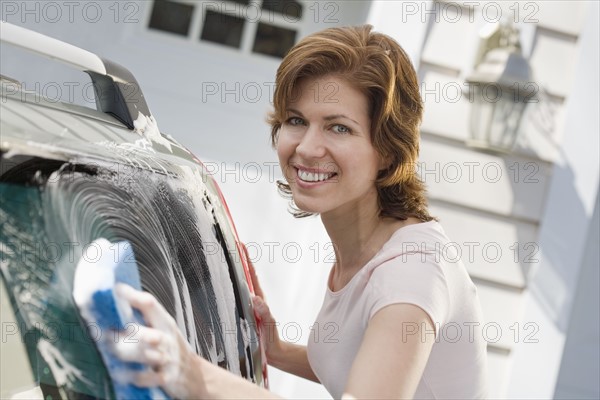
93 291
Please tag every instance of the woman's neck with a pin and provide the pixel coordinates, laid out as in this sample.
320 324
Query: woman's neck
351 234
356 236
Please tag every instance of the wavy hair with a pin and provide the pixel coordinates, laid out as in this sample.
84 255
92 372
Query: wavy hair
376 65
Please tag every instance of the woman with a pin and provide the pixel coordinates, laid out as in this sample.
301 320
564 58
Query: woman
405 315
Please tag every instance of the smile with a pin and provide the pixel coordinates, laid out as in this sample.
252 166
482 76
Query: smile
307 176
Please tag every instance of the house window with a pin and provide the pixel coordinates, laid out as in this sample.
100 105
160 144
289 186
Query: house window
273 40
170 16
267 27
222 28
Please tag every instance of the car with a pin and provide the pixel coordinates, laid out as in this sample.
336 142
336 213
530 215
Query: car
71 175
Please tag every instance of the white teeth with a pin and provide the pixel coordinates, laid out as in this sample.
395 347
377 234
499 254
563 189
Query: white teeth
313 176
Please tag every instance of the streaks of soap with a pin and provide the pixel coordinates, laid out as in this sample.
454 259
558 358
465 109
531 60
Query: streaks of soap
39 285
162 225
216 251
64 372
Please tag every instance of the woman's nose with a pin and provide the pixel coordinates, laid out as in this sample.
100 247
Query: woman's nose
312 144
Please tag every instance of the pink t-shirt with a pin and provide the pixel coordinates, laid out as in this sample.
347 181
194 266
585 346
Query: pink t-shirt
418 265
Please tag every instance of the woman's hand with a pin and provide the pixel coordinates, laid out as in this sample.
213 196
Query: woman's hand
272 341
160 345
286 356
174 366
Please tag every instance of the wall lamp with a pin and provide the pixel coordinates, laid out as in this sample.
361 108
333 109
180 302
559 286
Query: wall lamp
500 88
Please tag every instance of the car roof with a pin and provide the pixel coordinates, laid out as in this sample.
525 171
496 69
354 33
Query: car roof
36 126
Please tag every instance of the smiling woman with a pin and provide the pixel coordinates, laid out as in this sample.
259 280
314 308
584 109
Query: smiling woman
328 156
376 71
345 125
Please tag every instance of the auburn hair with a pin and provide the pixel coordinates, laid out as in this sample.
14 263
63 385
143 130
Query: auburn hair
376 65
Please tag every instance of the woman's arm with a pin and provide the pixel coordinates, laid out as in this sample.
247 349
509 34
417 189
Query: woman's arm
292 358
392 355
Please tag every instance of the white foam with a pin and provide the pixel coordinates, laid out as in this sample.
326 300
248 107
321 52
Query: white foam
219 270
148 128
63 372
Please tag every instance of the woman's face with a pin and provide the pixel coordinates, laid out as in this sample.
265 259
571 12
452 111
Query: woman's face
324 147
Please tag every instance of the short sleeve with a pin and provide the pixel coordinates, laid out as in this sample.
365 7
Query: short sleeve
415 278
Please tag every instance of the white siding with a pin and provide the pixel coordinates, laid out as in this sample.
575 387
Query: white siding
562 237
553 60
504 185
451 25
479 206
447 107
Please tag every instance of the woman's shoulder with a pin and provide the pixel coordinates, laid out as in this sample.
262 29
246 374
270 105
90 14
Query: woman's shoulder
419 252
409 255
423 237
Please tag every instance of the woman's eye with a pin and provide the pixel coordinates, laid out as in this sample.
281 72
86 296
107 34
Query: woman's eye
341 129
295 121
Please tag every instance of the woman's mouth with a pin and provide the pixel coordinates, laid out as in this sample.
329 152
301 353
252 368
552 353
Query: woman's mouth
308 176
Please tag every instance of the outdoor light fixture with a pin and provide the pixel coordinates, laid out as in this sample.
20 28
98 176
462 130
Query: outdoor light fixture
500 88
